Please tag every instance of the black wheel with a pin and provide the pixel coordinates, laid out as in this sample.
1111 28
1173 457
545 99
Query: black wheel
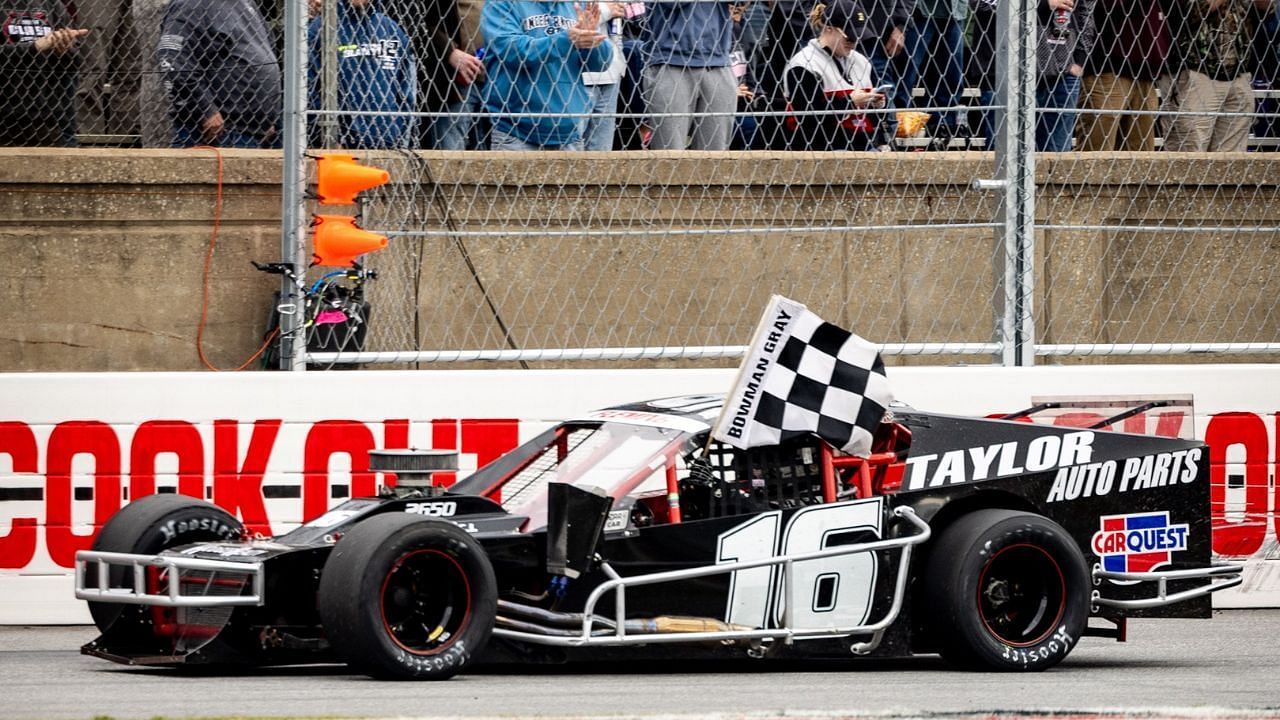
154 523
408 599
1006 590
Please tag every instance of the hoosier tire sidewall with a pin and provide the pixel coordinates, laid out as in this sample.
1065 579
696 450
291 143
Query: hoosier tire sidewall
154 523
953 574
350 597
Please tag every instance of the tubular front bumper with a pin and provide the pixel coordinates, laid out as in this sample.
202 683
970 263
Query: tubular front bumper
95 585
1219 577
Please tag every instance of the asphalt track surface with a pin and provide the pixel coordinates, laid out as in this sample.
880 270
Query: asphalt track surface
1228 666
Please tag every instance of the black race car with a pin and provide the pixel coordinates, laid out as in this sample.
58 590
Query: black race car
628 533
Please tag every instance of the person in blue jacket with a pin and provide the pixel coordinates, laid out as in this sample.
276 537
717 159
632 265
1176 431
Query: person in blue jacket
536 52
376 73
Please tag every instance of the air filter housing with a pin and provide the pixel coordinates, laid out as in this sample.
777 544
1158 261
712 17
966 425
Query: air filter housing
413 468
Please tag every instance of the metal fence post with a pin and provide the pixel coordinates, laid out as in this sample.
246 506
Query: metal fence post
329 72
1015 165
293 234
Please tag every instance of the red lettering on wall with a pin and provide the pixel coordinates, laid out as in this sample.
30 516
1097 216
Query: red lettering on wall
1244 537
238 487
444 436
489 439
395 436
67 440
156 437
326 439
18 546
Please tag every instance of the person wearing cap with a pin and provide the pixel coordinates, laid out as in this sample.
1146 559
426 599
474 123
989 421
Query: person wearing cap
829 74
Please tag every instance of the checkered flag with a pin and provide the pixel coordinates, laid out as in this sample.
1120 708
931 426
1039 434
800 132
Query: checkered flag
804 375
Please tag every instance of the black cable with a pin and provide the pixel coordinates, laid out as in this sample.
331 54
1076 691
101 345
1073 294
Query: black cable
442 207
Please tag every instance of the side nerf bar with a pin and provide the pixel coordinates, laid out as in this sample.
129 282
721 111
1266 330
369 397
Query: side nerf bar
98 588
618 585
1220 577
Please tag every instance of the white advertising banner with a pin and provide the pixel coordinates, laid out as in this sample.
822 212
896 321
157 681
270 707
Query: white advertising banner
278 448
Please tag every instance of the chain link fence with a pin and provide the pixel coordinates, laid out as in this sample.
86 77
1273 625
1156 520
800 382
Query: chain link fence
1127 207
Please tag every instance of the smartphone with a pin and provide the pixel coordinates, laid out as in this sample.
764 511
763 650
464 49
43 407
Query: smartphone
883 89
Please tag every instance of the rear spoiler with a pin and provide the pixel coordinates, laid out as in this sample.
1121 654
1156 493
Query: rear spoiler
1131 406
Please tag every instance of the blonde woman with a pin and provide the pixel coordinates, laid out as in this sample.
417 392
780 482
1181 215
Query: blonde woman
828 81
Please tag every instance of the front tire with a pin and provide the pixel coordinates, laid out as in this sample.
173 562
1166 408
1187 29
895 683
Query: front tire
408 599
154 523
1007 591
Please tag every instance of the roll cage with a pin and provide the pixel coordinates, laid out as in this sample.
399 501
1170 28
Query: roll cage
654 472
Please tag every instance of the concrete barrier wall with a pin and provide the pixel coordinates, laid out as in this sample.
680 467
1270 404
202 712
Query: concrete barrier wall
278 449
106 247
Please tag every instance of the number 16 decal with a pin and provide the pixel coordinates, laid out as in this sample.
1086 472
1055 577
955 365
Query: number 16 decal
829 592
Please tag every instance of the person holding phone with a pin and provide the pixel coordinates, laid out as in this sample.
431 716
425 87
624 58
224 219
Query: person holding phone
828 82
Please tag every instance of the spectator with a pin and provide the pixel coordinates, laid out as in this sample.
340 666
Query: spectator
38 65
1065 38
376 73
451 77
1213 38
1128 56
633 132
602 87
537 52
749 128
935 62
153 101
980 61
687 76
788 31
753 34
830 74
884 45
220 74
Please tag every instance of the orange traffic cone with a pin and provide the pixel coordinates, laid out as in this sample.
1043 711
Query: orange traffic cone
340 177
338 241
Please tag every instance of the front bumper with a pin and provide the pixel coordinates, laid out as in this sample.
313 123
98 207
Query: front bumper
187 582
1218 576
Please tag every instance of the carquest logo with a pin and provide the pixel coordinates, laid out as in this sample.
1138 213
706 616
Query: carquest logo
1138 542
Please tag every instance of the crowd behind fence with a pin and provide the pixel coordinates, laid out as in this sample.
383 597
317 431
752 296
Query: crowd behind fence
643 255
663 74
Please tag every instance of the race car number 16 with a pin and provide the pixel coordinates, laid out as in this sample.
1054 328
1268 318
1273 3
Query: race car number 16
829 592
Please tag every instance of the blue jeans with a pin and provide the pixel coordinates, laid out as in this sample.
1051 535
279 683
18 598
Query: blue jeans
601 123
747 133
935 53
1053 127
506 141
454 132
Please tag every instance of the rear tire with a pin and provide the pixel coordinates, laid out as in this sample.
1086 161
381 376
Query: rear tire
404 598
1006 591
154 523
